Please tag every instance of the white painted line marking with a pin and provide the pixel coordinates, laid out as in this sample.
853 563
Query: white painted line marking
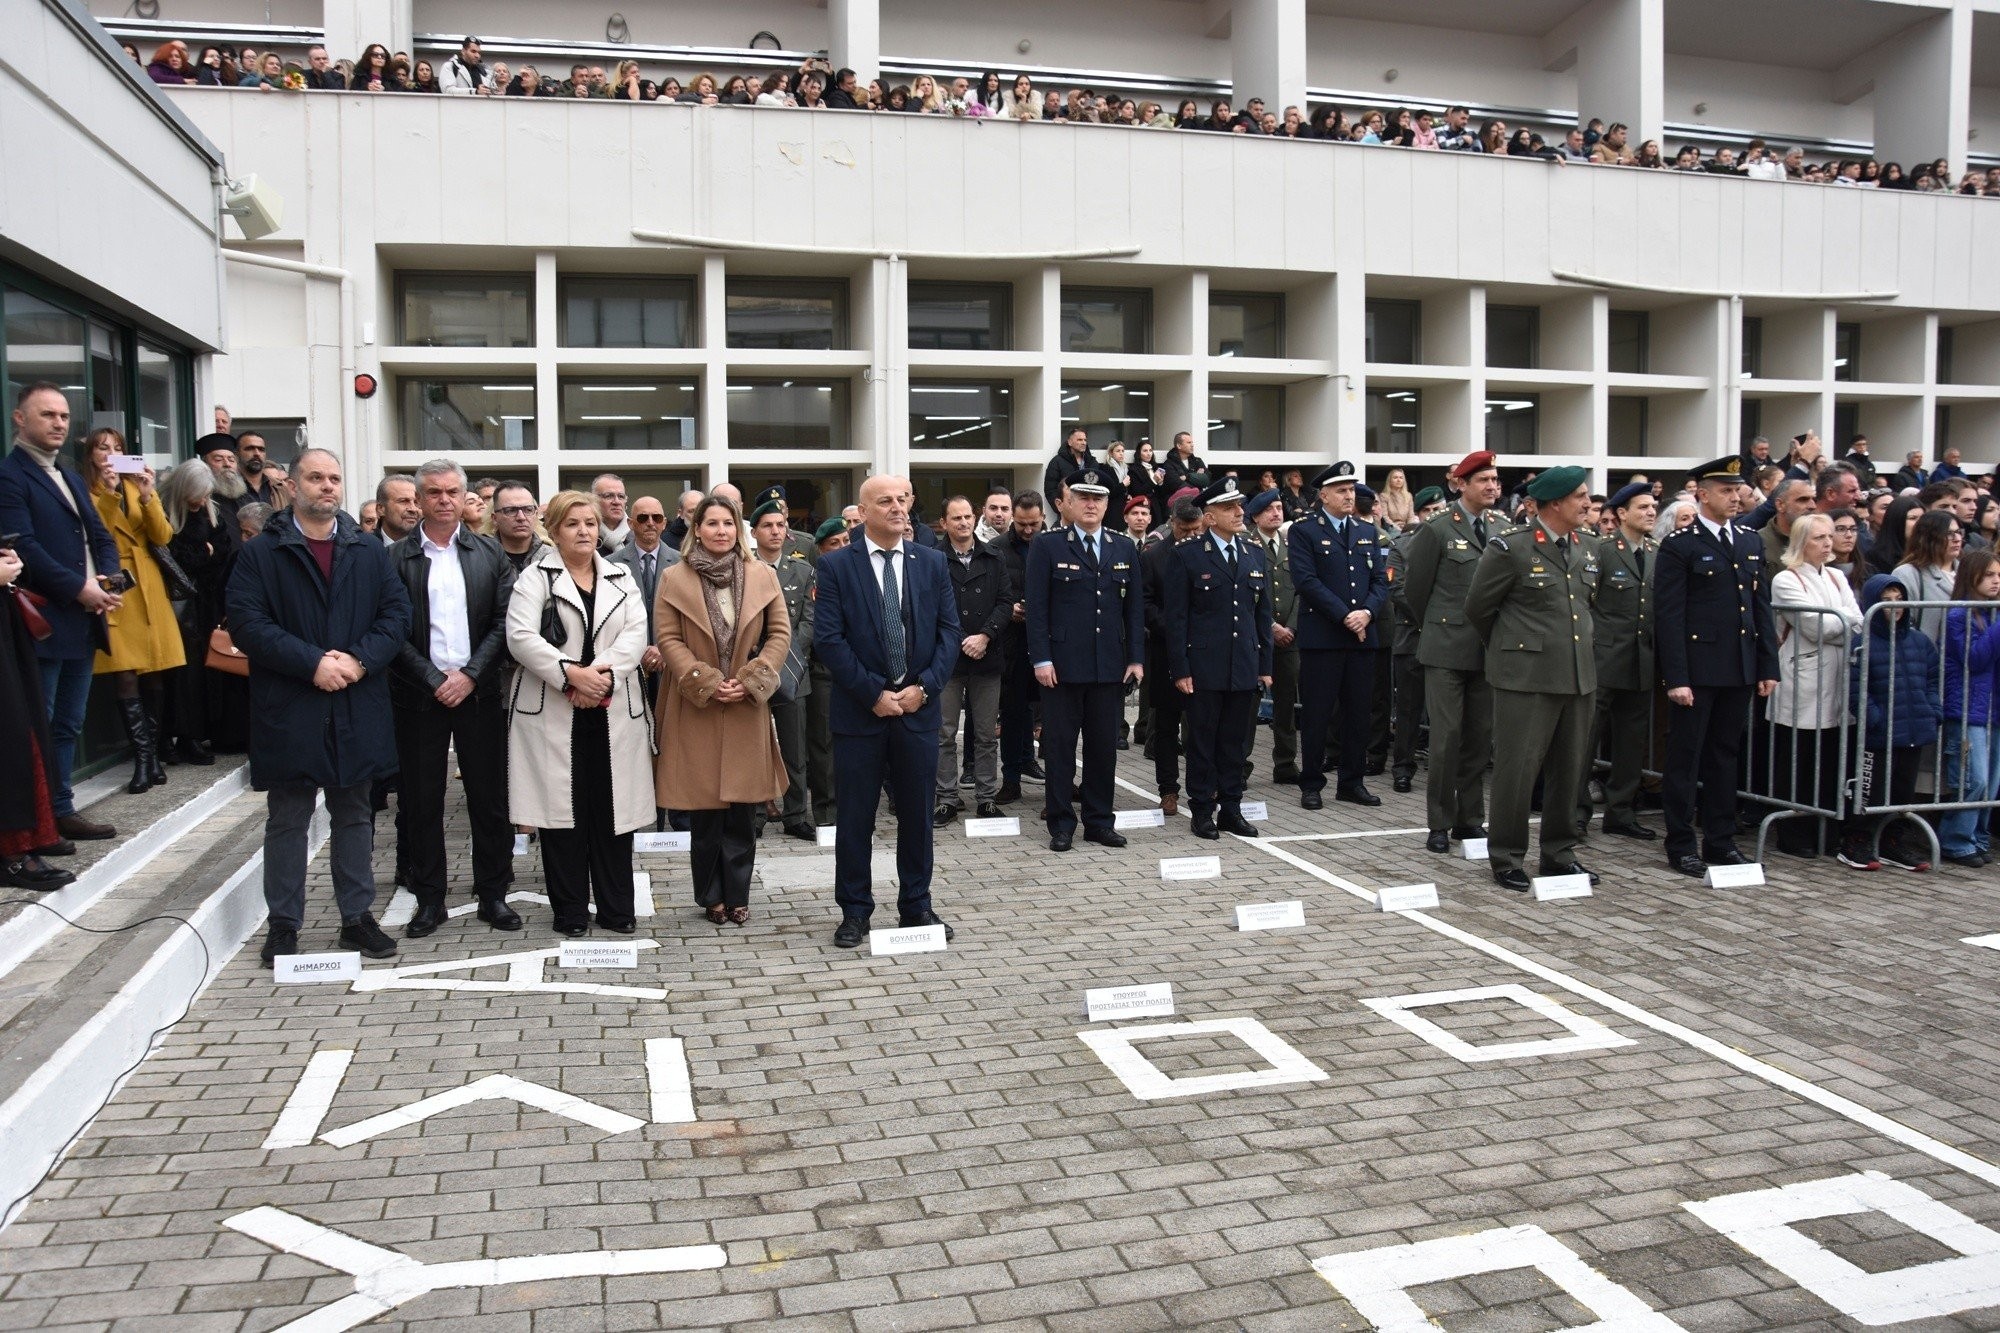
402 906
384 1279
312 1097
669 1081
642 893
1355 833
1377 1282
524 976
467 909
1146 1081
1586 1034
494 1087
1761 1222
1845 1107
1107 1003
1983 941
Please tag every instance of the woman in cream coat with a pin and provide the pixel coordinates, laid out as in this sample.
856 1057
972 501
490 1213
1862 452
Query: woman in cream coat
1817 620
579 726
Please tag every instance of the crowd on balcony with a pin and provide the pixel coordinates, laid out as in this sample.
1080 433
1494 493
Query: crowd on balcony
816 84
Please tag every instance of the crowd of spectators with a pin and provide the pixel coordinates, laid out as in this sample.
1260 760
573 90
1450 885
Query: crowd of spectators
816 84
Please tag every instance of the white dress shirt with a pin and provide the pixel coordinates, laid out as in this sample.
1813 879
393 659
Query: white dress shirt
1722 532
451 621
875 563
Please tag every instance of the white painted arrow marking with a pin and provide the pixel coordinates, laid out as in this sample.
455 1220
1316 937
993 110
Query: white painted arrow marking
494 1087
298 1124
524 975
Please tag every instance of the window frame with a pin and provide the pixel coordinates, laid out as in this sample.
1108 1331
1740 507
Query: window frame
402 297
1244 300
1001 441
841 335
1000 329
691 322
1082 294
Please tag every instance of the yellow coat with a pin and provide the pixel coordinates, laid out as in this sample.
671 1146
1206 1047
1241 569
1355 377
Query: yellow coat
144 634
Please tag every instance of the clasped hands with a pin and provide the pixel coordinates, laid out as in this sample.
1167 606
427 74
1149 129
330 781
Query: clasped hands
588 685
897 703
336 671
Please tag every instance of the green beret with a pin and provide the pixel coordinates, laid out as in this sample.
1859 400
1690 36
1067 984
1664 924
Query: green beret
1556 483
1428 496
776 506
834 525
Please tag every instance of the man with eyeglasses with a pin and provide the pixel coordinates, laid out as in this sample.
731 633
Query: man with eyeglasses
514 513
648 557
608 489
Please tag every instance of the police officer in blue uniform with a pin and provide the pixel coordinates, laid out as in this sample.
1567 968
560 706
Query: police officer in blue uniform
1340 572
1219 651
1086 640
1716 648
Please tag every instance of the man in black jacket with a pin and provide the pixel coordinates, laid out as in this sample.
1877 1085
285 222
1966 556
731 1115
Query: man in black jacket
321 74
1072 454
1017 681
986 591
446 686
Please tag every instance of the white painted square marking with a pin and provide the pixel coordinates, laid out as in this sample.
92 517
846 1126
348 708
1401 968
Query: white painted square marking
911 939
1587 1034
1406 898
1006 826
1377 1282
825 833
623 957
1114 1002
303 969
642 893
1191 867
662 842
1983 941
1139 819
1474 849
1552 888
1146 1081
1735 877
1761 1222
667 1077
1256 812
1269 916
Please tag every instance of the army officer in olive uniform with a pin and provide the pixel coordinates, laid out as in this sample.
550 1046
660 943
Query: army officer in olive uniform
771 532
1622 607
1530 604
1341 574
1266 514
1218 601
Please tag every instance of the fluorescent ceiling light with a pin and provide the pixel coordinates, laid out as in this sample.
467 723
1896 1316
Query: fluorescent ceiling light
928 388
612 418
619 388
508 388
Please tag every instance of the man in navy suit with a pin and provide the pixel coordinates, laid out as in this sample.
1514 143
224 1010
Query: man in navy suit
1340 570
1086 640
885 624
67 552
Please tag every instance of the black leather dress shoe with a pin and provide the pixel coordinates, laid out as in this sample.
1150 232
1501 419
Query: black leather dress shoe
1232 821
1124 744
1690 865
424 921
1061 841
1104 837
499 916
989 810
850 932
1724 856
1463 831
801 830
1630 831
1311 800
31 872
60 847
1573 868
1009 793
1357 795
1439 841
1401 784
575 932
1517 880
943 815
1032 771
926 919
1203 826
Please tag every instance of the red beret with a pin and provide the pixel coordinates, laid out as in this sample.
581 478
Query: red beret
1138 502
1472 463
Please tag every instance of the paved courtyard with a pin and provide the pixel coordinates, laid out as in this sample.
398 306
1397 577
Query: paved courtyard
1659 1106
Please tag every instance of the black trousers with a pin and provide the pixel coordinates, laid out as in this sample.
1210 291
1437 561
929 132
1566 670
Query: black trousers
1091 712
1408 678
1219 727
789 718
590 859
426 733
1381 707
1168 715
723 844
908 760
1334 685
1704 743
1017 716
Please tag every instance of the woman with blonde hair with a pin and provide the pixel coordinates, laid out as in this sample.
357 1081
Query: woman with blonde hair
579 731
1398 504
143 639
924 95
1817 620
720 623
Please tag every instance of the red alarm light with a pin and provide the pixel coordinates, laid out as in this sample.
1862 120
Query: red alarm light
364 386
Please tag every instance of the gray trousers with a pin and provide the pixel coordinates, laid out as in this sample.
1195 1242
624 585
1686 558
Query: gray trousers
790 720
979 697
1547 734
1461 709
351 850
1623 724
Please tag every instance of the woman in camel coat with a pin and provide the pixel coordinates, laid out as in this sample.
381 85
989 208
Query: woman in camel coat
719 620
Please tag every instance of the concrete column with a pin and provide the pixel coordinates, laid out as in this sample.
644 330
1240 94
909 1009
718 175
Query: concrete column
1923 91
352 24
1267 53
1621 65
855 40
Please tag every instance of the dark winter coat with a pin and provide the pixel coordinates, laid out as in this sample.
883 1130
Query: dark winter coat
1918 701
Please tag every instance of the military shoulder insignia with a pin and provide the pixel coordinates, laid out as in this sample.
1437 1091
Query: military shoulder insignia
1497 541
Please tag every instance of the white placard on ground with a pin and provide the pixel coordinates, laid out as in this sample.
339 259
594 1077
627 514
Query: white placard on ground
1139 819
520 844
1747 876
1269 916
1256 811
1005 827
825 833
299 969
598 954
910 939
1191 867
1474 849
1113 1002
1406 898
1548 887
662 842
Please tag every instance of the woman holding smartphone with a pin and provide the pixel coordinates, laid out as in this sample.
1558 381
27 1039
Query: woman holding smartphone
144 638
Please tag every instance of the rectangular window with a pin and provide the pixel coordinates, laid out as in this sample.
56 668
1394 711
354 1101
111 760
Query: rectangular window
1107 412
1107 319
788 314
1752 423
976 414
1846 425
961 316
788 414
46 342
1513 336
1847 351
628 311
107 383
811 498
1627 335
466 309
1625 424
1246 324
1246 416
933 488
163 388
450 416
1511 423
1941 429
1393 328
1753 346
630 414
1395 421
1944 347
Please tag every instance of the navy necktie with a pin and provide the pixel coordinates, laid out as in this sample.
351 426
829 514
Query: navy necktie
892 619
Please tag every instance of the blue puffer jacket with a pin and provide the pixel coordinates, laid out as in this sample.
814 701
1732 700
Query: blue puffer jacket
1974 701
1915 659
